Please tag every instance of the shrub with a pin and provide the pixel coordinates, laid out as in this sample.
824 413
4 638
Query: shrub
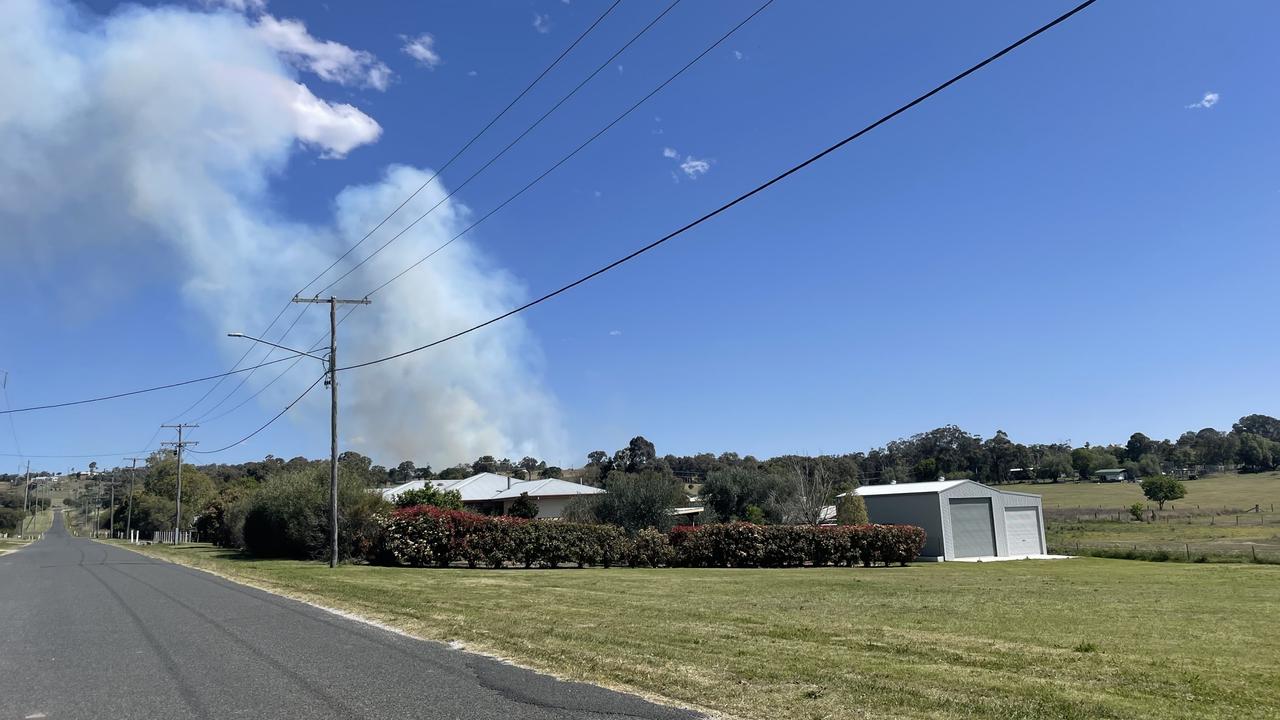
288 516
787 545
737 544
523 507
430 495
851 510
649 548
1136 511
492 542
690 547
426 535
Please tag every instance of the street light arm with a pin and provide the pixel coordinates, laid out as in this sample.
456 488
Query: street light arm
282 347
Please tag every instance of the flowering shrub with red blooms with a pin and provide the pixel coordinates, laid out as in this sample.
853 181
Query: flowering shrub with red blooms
747 545
424 535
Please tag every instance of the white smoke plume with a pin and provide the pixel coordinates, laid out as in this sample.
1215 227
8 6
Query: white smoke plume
158 131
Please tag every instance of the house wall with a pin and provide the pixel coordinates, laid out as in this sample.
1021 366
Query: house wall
551 507
921 510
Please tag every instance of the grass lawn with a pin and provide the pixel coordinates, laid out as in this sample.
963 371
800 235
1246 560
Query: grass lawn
1086 638
1231 491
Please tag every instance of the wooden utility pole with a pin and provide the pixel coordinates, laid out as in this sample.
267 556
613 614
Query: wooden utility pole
333 303
111 506
180 444
128 519
26 492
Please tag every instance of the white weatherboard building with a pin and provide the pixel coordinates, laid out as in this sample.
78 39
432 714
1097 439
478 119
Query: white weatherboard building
493 494
961 518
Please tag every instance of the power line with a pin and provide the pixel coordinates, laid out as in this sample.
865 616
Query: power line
501 113
503 151
268 423
156 388
576 150
759 188
794 169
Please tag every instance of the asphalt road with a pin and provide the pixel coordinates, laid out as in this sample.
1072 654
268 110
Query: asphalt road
93 631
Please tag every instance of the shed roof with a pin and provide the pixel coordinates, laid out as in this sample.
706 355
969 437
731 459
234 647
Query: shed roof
936 486
1108 471
492 486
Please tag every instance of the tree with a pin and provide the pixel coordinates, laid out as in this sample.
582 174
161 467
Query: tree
597 457
636 501
552 472
638 455
925 470
429 495
528 464
812 489
1257 452
1162 488
730 491
485 464
851 510
1263 425
1138 446
404 472
460 471
523 507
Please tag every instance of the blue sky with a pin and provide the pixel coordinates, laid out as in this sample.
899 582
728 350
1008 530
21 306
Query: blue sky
1060 246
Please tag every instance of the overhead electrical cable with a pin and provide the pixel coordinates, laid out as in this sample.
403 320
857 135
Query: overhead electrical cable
750 193
501 113
141 391
503 151
794 169
267 424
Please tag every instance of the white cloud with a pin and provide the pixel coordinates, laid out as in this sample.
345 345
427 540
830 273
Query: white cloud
693 167
422 48
598 193
200 117
542 23
240 6
471 73
737 55
615 333
329 60
1209 100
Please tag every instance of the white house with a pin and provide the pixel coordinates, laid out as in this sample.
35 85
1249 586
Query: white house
493 494
961 518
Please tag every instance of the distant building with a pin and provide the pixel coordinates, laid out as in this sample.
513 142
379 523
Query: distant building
1110 475
493 494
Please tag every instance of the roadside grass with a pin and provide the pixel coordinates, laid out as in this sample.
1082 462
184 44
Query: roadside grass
1231 491
1085 638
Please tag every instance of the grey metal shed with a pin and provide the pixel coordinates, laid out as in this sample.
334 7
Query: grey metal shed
961 518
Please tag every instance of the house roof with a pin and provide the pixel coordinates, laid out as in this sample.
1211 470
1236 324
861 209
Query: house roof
546 488
492 486
936 486
1108 471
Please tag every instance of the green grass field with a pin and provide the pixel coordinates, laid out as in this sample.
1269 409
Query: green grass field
1211 492
1085 638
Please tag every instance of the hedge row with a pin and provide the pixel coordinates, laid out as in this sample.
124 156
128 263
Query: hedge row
747 545
425 536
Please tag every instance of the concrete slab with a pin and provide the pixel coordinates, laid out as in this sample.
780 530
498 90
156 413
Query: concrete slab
993 558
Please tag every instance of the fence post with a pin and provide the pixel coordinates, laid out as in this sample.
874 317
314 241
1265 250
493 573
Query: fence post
1254 550
1188 551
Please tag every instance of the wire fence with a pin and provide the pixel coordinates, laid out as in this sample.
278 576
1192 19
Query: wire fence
1258 515
1173 551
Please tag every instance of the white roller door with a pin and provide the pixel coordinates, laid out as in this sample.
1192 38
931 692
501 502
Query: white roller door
1022 530
971 527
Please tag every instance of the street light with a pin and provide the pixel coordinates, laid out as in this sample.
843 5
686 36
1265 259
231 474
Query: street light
331 369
